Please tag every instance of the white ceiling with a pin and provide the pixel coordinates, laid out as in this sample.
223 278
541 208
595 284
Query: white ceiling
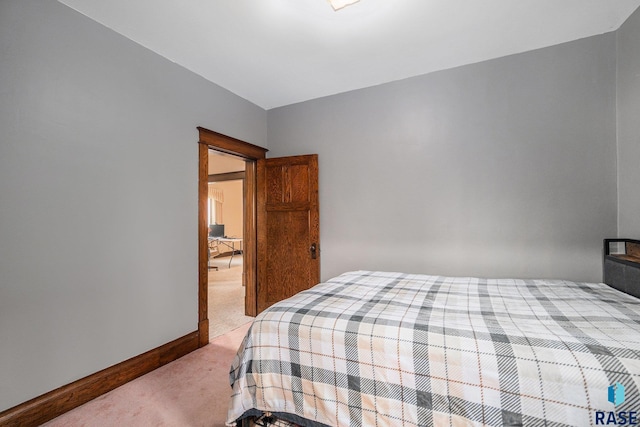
279 52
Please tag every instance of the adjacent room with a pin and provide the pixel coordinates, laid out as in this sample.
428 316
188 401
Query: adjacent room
225 216
416 212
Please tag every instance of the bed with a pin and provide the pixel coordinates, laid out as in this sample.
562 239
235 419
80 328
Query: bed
371 348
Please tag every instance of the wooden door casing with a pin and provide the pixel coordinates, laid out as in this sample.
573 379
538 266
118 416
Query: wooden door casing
288 226
251 153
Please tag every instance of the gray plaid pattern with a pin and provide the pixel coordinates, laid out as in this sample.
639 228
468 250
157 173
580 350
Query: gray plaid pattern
391 349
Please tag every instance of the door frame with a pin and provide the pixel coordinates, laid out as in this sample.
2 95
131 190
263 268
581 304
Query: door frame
209 139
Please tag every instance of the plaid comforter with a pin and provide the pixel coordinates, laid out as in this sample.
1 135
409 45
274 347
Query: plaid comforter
391 349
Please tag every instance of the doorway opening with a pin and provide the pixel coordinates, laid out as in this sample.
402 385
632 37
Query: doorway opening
225 216
249 154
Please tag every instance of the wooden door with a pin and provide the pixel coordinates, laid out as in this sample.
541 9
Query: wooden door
288 227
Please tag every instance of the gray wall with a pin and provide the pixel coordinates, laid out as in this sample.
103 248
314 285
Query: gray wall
98 195
629 127
505 168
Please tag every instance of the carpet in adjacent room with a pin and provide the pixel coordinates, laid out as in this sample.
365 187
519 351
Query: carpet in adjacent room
226 296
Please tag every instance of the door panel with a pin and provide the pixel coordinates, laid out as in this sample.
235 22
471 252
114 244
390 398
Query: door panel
288 225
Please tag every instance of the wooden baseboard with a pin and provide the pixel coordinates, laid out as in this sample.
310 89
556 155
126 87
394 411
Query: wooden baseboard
56 402
203 327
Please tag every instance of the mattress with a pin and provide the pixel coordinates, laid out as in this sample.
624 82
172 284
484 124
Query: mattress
391 349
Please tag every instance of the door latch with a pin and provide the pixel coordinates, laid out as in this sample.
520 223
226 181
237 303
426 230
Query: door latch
314 251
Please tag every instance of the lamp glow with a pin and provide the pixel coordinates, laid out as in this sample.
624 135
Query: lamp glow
339 4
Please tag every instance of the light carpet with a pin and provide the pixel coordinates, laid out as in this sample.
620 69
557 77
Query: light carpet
191 391
226 296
